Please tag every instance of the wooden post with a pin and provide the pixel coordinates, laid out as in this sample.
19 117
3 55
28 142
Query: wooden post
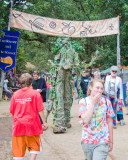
1 83
118 48
3 73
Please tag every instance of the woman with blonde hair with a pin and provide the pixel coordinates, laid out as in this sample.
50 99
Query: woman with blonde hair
96 115
97 75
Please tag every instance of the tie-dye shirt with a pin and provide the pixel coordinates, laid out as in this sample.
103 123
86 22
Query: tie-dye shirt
96 131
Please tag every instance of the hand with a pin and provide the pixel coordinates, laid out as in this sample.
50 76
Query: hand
95 99
39 90
110 146
45 125
81 122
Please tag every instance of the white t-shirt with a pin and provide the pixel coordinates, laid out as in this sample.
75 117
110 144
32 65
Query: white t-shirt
112 86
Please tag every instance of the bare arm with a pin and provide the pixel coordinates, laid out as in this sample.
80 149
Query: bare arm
41 113
110 127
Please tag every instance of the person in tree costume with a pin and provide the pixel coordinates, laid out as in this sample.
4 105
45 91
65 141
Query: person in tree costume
61 93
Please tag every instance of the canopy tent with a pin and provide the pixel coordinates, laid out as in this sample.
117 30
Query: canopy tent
106 71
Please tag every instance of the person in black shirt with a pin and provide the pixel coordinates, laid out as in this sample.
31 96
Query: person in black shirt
85 80
39 84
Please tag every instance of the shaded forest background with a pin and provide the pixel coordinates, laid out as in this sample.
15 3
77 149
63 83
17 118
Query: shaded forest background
38 48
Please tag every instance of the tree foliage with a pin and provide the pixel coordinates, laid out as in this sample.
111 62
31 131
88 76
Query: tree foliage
37 47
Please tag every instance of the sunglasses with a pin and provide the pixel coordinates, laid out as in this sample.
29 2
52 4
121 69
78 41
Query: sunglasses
114 71
36 72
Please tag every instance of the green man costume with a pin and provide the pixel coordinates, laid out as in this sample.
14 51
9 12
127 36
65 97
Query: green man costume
64 62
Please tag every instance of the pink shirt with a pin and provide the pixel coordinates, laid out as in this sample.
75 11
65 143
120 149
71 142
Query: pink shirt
48 85
25 105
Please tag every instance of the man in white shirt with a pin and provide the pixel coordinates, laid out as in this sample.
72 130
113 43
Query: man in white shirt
114 91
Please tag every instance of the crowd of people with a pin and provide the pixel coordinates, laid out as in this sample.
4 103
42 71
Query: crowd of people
99 107
12 83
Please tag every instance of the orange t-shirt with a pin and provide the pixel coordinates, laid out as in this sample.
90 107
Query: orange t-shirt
25 105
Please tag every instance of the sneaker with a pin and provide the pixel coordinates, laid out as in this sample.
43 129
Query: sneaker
122 123
118 122
69 125
114 126
59 129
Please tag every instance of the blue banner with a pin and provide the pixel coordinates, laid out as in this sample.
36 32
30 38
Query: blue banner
8 50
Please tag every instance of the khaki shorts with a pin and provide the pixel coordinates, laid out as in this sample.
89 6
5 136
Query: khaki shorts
19 144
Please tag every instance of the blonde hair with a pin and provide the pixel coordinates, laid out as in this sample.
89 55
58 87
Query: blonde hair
92 84
97 73
25 80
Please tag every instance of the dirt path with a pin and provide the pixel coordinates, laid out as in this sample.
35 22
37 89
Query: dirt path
60 146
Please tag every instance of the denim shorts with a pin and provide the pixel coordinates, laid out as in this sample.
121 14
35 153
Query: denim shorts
95 151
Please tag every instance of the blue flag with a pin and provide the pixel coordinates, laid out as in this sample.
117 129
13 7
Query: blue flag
8 50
